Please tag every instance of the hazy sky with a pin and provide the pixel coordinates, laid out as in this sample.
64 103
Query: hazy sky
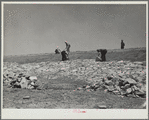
40 28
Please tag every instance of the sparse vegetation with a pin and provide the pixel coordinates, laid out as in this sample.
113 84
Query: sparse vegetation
59 92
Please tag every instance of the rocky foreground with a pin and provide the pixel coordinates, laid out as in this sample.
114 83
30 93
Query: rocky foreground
119 77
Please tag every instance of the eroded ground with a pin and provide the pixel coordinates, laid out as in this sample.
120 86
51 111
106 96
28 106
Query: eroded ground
61 95
59 82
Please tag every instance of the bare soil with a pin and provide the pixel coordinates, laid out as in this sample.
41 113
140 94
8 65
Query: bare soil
132 54
61 93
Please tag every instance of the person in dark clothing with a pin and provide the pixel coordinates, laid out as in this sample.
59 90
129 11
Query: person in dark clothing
103 54
64 55
65 52
122 44
57 51
67 47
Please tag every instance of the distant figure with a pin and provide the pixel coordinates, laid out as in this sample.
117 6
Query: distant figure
98 58
122 44
57 51
64 55
66 51
102 53
67 47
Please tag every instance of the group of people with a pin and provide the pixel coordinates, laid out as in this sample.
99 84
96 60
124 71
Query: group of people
101 52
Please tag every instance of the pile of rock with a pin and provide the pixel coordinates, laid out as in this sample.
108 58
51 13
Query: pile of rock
119 77
119 86
20 80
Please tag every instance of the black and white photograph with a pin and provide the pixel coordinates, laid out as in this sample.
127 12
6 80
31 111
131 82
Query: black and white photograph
80 58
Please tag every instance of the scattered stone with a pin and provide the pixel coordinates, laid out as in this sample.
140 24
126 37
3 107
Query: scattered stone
144 105
140 93
131 81
109 77
32 78
24 83
107 82
128 90
110 88
126 86
139 63
26 97
112 76
100 106
116 92
30 87
87 87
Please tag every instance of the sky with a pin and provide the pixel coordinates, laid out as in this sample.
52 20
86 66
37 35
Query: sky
40 28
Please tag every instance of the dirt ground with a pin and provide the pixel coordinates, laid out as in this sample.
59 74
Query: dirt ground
61 93
132 54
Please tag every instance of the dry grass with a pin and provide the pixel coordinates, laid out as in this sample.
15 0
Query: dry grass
134 54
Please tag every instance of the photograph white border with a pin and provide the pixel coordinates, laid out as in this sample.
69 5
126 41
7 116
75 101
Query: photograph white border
69 113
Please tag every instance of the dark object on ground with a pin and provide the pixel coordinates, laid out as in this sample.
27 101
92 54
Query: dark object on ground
64 55
101 52
57 51
122 44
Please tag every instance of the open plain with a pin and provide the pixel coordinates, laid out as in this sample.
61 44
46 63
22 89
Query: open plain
80 83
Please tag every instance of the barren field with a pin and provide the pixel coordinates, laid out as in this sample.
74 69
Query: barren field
61 83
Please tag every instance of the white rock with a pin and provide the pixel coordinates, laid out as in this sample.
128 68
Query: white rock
140 63
33 78
131 81
74 70
26 97
24 82
129 90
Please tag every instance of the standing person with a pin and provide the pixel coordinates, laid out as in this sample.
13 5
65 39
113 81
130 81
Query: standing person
122 44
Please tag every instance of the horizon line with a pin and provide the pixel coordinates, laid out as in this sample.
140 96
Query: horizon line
70 51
